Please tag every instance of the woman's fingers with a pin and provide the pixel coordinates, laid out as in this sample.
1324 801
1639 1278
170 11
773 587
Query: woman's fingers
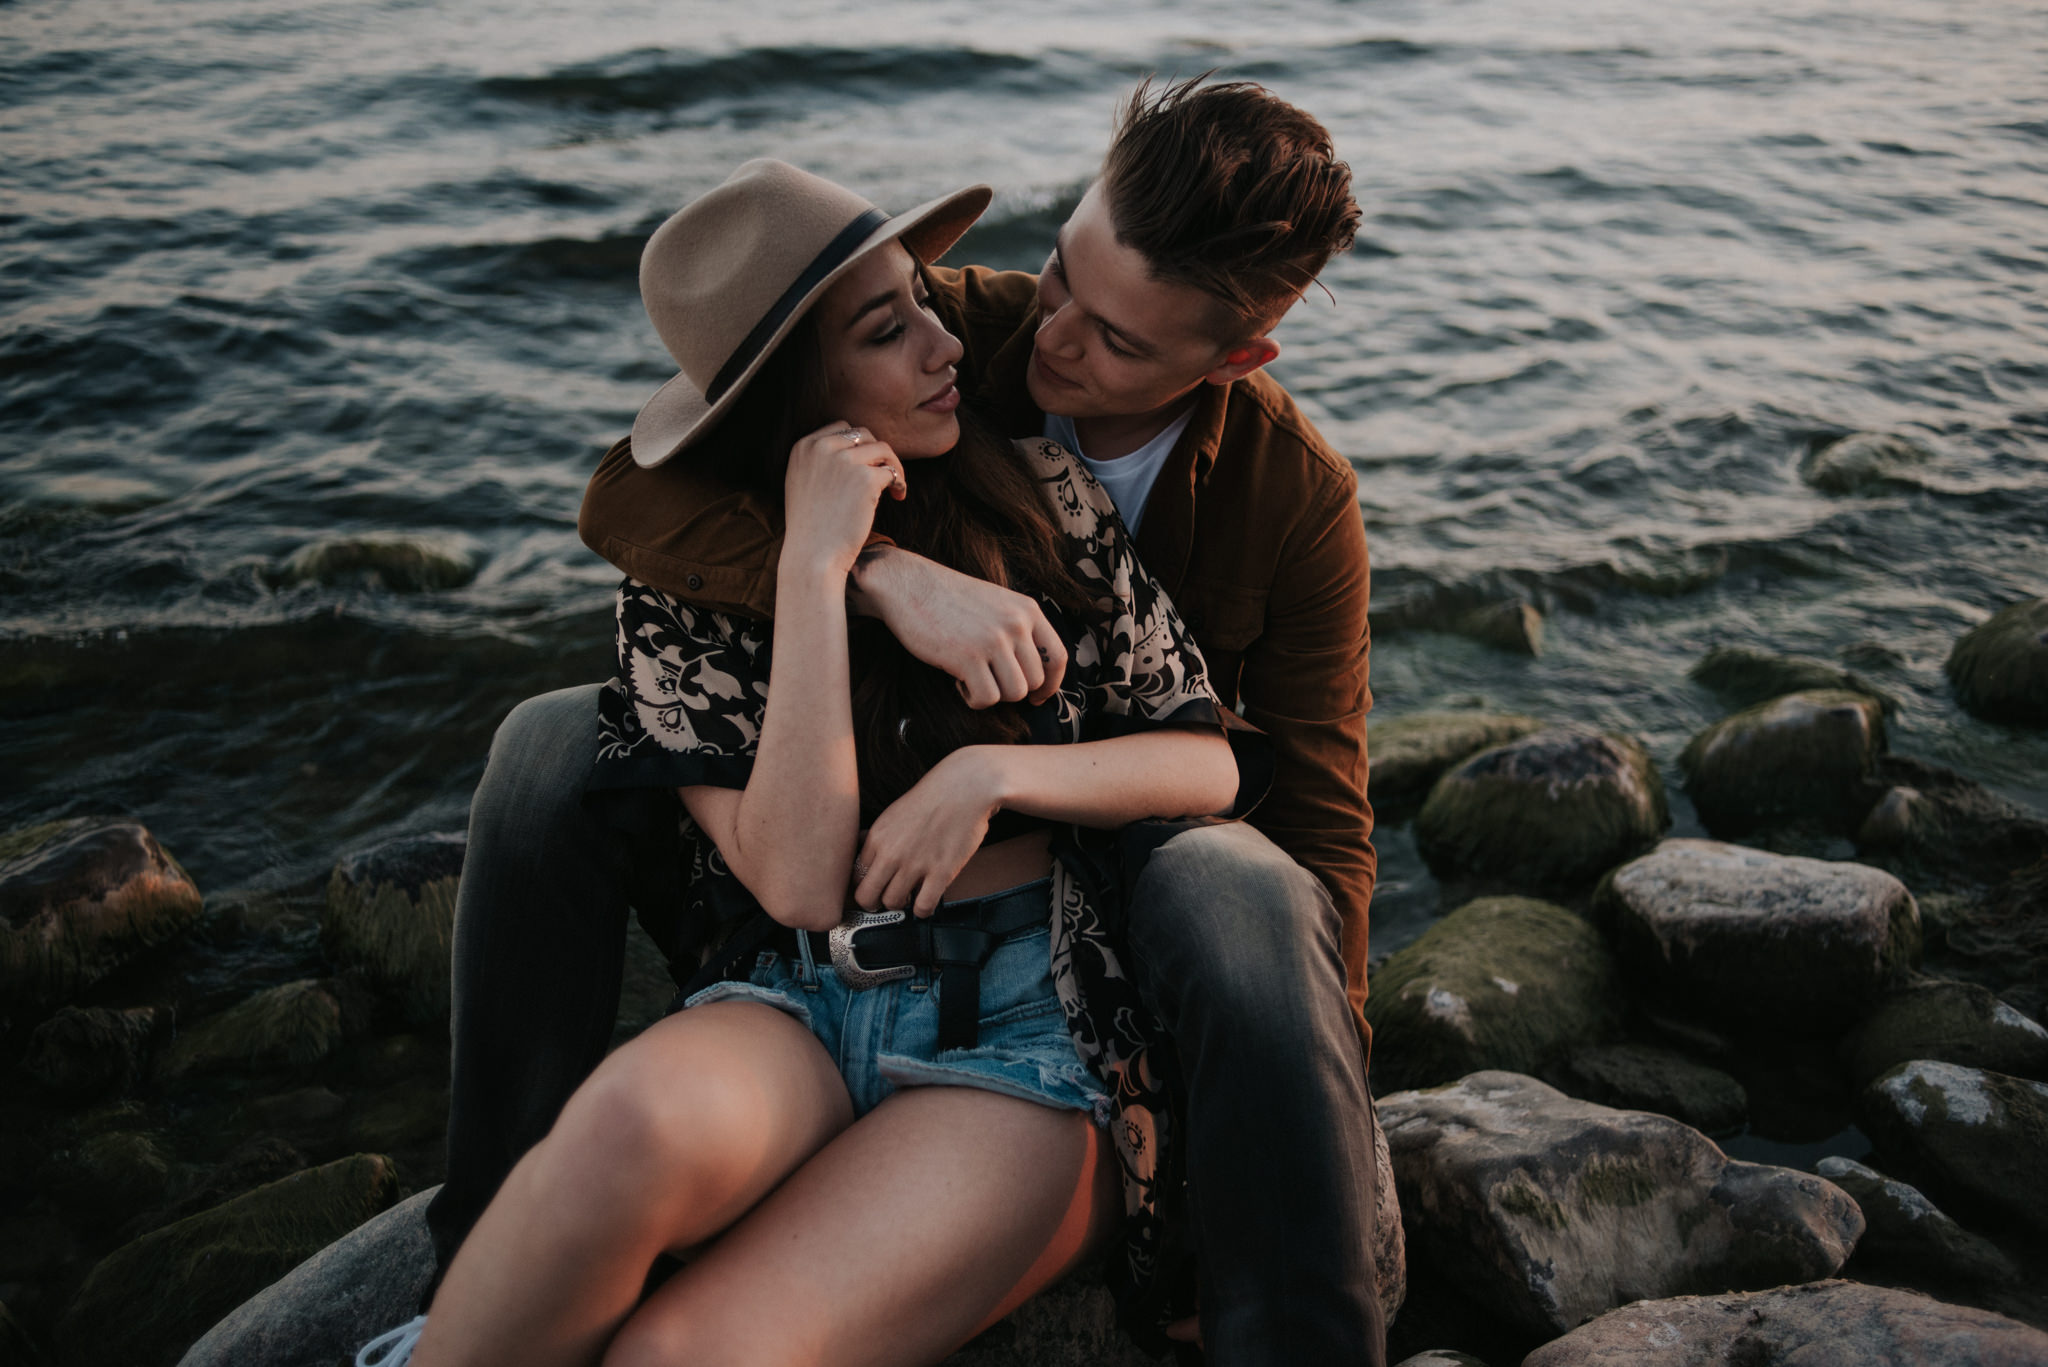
1052 653
979 687
1012 684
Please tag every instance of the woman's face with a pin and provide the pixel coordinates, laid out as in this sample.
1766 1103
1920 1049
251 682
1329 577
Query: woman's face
888 362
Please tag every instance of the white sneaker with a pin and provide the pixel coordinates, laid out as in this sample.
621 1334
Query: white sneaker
393 1348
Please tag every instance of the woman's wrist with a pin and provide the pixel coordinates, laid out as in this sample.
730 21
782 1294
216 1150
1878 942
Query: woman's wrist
986 773
800 571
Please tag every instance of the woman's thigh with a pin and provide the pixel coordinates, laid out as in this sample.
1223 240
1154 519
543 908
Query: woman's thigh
930 1218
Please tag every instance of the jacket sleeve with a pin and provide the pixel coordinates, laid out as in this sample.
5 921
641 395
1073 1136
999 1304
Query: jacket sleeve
1305 682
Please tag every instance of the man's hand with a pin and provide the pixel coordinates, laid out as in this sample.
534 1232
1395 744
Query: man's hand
994 641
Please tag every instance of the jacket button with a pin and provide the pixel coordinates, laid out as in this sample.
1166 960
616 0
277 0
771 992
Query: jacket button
695 581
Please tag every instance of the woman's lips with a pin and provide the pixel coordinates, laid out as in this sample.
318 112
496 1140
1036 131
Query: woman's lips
945 401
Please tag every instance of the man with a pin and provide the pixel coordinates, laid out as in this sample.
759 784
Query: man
1141 346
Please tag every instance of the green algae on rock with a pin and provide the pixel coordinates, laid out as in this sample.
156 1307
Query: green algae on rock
292 1026
1409 754
1792 1326
145 1301
1968 1132
1554 809
2000 670
1549 1210
391 912
1502 982
84 1051
1801 756
401 564
1746 676
79 899
1753 941
1865 462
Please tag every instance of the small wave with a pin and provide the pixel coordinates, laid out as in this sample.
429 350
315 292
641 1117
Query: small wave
663 79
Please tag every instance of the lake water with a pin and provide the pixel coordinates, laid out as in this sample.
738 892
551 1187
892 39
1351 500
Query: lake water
272 272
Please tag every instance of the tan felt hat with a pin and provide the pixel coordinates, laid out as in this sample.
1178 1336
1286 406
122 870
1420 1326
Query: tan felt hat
725 278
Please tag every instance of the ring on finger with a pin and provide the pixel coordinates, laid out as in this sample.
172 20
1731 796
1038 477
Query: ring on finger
852 436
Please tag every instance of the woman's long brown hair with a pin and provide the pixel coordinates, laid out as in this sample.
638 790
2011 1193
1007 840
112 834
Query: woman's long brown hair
978 510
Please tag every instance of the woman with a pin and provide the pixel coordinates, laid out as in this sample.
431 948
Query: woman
871 1160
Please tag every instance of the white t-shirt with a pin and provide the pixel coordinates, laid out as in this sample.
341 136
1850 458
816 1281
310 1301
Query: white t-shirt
1129 478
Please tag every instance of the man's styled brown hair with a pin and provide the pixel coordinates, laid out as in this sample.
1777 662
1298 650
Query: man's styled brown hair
1230 189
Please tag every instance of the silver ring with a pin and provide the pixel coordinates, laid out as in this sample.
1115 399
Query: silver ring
849 432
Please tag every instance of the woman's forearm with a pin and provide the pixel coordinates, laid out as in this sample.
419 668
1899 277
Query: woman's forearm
1170 772
795 828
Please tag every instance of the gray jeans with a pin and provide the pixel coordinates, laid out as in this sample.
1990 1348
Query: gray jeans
1233 944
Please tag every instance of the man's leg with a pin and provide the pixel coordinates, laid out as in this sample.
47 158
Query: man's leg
1236 947
540 927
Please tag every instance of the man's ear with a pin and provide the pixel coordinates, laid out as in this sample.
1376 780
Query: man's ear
1242 359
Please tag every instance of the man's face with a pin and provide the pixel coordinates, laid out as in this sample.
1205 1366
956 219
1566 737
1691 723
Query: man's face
1113 341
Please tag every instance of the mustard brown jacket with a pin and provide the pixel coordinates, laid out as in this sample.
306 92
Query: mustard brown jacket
1253 528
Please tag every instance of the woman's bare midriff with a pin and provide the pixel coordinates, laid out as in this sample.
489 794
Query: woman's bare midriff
1005 864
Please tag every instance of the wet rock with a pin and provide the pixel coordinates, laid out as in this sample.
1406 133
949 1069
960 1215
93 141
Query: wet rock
1802 756
79 899
1758 941
149 1298
109 1176
391 912
1551 810
1441 1357
2000 669
1745 676
1950 1022
251 1164
401 564
1979 1136
1550 1210
344 1295
1906 1233
1503 982
1409 754
306 1110
1827 1322
1643 1077
1900 820
290 1027
84 1052
1512 626
1865 462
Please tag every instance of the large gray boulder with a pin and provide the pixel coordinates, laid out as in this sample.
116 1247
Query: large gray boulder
1804 757
1502 982
1949 1022
391 913
146 1300
1826 1324
1978 1135
1550 1210
78 900
1911 1237
1755 941
1409 754
1555 809
2000 670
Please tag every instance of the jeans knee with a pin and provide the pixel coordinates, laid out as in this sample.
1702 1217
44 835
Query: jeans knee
539 760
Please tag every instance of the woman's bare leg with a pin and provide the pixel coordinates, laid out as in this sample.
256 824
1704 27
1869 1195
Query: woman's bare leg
673 1138
933 1216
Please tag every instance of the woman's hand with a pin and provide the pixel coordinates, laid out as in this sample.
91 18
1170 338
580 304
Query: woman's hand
919 844
836 476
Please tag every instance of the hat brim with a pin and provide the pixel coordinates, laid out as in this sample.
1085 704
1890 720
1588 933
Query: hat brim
678 413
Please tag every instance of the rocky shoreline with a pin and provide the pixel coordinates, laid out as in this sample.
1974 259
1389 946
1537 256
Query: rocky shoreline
1571 1064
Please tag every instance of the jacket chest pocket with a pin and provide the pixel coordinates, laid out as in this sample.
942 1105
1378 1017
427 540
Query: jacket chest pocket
1226 618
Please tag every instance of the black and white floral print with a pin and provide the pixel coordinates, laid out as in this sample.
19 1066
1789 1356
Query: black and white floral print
687 707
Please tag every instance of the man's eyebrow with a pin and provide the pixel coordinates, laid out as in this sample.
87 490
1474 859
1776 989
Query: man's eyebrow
1128 341
870 306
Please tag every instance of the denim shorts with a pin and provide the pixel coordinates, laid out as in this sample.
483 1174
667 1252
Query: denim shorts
887 1037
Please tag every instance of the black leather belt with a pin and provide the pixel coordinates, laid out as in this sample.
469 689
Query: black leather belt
876 947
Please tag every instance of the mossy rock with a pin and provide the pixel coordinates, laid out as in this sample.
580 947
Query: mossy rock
1409 754
147 1301
1805 757
293 1026
1866 462
1552 810
1644 1077
1975 1135
78 900
1745 676
391 913
1951 1022
1502 982
84 1052
1754 942
2000 669
402 564
1513 626
109 1176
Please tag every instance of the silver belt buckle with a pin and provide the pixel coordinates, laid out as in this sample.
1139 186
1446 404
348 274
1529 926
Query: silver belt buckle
847 967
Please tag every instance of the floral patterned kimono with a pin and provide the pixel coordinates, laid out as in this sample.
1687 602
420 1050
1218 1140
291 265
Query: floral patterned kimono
686 709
